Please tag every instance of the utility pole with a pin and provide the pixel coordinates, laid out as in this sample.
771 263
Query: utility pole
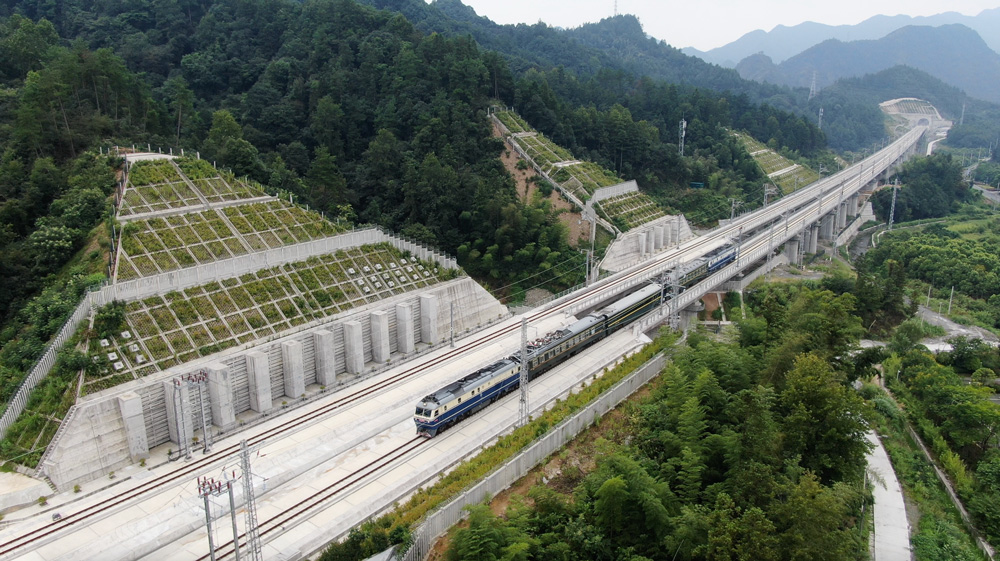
209 487
206 489
593 241
200 380
732 212
802 247
769 189
950 298
770 248
523 404
675 290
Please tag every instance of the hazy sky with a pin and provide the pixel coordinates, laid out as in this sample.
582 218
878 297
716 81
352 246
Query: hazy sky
706 24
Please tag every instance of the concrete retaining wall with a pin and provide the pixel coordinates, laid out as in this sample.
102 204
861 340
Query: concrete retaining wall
615 190
202 274
634 246
97 441
866 215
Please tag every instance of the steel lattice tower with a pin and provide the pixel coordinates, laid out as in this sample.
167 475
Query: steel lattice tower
681 133
892 208
253 534
523 406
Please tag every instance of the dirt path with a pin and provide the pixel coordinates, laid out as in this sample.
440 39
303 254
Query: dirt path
952 329
578 230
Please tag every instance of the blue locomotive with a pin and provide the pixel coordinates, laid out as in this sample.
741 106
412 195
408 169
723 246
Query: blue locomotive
473 392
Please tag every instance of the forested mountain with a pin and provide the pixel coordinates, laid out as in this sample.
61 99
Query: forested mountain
619 45
616 43
850 108
952 53
355 111
784 42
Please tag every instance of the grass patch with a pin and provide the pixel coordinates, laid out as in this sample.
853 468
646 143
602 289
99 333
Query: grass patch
939 533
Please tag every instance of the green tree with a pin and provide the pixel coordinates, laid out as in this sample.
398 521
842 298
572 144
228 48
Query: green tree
52 245
181 101
738 535
327 187
824 420
327 125
810 521
487 538
24 45
224 128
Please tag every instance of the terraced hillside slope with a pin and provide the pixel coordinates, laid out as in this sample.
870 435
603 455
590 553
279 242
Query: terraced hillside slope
212 276
578 180
787 175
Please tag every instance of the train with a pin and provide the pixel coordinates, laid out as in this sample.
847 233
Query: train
473 392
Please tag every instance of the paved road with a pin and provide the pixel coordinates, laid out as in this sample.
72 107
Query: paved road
891 541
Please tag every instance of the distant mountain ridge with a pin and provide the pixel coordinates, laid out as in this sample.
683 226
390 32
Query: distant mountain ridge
620 44
784 42
613 43
953 53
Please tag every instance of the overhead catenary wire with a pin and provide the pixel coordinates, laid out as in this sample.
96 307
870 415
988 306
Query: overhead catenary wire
505 287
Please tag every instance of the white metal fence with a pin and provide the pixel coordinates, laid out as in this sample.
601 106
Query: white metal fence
615 190
236 266
43 366
438 522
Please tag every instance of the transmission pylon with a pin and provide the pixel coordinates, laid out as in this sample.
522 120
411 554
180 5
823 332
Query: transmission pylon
681 133
522 418
812 87
892 208
820 125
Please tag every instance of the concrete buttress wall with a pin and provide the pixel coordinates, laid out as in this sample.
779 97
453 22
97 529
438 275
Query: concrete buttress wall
325 357
291 360
220 395
130 407
256 375
259 380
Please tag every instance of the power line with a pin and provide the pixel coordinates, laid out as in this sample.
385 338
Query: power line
552 279
537 274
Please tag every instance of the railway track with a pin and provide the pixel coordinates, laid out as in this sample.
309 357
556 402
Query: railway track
306 506
800 203
212 459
